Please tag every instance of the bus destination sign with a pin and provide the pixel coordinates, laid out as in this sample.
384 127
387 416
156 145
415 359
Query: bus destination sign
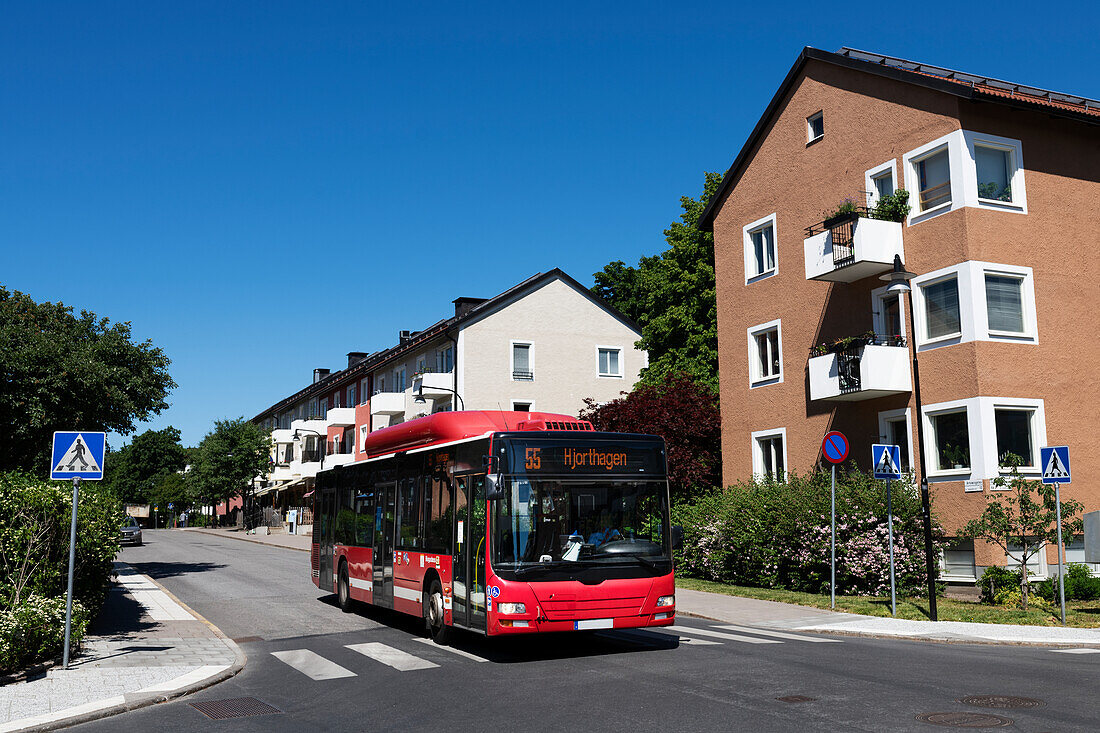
567 457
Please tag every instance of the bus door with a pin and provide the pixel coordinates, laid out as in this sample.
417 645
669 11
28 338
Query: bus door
326 502
468 561
384 516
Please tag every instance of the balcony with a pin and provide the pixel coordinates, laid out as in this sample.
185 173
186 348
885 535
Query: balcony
851 249
343 417
436 385
387 403
861 371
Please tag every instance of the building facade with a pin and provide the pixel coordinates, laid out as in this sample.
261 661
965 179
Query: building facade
544 345
1003 181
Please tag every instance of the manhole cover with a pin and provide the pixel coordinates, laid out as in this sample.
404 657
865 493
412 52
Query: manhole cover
235 707
796 698
1001 701
965 719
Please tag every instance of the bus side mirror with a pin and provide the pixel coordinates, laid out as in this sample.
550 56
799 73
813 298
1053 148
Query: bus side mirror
494 486
677 537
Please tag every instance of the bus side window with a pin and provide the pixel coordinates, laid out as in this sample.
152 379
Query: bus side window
345 518
437 515
364 519
408 512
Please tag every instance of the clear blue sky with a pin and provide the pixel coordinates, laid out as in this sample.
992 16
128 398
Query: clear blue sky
262 187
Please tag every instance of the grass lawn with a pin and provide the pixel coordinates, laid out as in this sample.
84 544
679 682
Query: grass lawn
1080 614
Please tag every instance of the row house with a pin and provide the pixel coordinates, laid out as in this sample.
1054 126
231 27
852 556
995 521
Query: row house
1003 182
544 345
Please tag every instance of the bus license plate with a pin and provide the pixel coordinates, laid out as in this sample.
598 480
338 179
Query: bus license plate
595 623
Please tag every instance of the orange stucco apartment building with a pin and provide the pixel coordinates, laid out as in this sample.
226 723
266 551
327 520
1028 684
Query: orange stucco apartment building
1004 241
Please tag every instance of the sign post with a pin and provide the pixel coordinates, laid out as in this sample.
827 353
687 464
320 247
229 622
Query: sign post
835 448
1055 463
886 460
76 456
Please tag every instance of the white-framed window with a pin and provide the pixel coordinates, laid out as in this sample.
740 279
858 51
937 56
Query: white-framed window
399 379
815 127
337 400
965 168
364 394
314 409
1075 552
975 301
380 383
609 361
769 453
523 362
445 359
765 354
957 561
894 429
351 395
881 181
1036 560
522 405
364 431
421 364
974 433
761 250
888 313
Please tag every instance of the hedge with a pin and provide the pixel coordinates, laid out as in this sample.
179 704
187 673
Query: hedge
771 534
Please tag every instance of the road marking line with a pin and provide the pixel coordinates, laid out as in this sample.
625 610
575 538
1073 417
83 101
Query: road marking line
1076 651
452 650
664 631
645 636
196 675
779 634
312 665
721 635
399 660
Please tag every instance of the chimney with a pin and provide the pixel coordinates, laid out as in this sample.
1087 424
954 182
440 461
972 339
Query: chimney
404 337
465 305
319 374
354 357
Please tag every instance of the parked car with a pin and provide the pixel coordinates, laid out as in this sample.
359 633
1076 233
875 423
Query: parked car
131 532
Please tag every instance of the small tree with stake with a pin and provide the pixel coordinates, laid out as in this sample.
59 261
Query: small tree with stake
1025 517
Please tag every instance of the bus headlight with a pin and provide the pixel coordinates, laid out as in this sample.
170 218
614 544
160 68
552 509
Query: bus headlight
511 608
666 601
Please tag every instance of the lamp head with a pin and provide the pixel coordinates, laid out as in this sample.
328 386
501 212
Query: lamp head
898 278
419 398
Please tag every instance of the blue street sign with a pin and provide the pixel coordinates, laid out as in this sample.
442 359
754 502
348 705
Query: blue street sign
78 454
169 506
835 447
1055 463
886 460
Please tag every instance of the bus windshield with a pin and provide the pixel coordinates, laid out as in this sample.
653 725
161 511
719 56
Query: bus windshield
542 522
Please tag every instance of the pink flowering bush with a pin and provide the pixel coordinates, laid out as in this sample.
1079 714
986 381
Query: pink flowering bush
776 535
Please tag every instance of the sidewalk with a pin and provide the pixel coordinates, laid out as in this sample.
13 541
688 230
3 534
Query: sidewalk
143 648
749 611
289 541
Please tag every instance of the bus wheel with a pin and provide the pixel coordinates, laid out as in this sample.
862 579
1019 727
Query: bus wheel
433 614
343 590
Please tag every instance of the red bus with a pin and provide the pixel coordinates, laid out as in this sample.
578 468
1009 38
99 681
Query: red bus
500 523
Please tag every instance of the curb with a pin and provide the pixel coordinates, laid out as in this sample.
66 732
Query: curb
214 533
150 698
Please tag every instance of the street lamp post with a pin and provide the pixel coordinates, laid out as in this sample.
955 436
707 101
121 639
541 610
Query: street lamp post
421 399
899 283
298 439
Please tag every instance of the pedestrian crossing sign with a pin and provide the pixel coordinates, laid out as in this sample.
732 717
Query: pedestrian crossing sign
1055 463
886 460
78 454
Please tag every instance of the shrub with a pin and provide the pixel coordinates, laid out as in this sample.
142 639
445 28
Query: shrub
894 207
776 535
1080 585
35 630
995 579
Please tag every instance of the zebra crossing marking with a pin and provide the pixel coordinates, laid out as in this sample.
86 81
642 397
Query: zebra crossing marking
312 665
664 631
779 634
388 655
451 649
721 635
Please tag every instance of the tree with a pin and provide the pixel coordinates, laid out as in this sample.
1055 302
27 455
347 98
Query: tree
135 471
227 459
1016 520
63 372
685 414
672 297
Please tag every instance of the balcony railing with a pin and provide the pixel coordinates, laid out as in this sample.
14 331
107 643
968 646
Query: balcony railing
851 246
859 368
523 375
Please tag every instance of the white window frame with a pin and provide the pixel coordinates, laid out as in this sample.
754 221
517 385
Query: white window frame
1041 556
746 233
756 379
531 404
1014 148
973 313
878 312
888 416
891 167
758 455
810 137
981 425
512 359
609 375
400 375
364 393
956 576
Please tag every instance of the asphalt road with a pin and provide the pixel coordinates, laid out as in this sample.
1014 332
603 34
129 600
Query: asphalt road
328 671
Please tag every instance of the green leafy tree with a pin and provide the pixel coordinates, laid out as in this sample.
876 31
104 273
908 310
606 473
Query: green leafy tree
672 297
228 458
1024 520
135 470
59 371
